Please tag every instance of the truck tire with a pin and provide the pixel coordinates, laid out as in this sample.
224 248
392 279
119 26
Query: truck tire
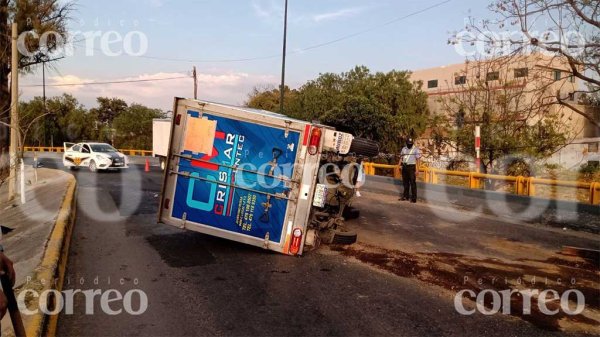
364 147
342 237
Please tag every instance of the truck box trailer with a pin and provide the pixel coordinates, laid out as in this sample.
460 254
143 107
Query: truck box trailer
251 176
161 131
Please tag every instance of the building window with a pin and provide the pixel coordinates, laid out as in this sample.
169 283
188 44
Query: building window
572 79
521 72
492 76
593 147
571 96
432 84
557 75
460 80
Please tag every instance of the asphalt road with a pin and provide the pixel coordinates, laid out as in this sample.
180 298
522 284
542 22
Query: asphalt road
198 285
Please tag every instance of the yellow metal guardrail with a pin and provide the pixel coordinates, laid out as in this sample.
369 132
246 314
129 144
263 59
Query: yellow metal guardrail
128 152
523 185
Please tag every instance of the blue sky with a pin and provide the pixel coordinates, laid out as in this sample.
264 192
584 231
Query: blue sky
207 31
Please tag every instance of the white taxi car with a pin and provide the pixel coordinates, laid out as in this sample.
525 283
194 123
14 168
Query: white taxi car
94 156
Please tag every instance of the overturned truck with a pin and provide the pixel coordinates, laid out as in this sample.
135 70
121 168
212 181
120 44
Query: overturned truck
259 177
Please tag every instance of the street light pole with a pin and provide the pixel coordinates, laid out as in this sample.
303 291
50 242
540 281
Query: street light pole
282 88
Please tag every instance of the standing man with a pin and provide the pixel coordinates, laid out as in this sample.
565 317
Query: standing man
410 159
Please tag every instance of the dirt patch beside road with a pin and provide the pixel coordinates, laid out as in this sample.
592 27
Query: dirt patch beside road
456 272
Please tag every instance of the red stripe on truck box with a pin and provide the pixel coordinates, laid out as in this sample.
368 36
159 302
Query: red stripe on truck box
306 134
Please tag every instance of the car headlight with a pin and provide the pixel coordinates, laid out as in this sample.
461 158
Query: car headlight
101 157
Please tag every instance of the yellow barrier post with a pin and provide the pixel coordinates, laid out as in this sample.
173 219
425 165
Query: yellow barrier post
531 186
425 170
397 172
434 176
520 185
473 181
595 193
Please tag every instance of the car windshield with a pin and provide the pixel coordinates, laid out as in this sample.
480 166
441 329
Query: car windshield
102 148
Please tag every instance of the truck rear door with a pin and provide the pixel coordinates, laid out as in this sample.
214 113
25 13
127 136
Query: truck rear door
235 174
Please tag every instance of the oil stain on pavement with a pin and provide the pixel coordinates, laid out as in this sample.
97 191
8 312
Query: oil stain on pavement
456 272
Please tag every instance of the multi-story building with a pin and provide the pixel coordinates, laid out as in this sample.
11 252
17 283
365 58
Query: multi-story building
534 82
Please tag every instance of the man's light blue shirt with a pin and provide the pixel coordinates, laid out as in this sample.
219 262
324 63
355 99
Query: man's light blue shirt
410 156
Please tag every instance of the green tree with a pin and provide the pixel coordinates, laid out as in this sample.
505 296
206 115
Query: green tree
268 98
108 109
40 16
133 127
379 106
71 122
514 120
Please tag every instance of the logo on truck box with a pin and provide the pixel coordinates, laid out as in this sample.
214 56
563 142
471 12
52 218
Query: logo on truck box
218 195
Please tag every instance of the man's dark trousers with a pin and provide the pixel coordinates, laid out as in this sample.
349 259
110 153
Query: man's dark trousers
409 179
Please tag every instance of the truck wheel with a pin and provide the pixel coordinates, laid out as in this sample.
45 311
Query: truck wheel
351 213
342 237
364 147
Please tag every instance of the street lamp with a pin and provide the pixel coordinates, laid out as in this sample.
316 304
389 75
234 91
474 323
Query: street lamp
282 88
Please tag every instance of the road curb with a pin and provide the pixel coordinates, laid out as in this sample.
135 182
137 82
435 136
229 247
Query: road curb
51 272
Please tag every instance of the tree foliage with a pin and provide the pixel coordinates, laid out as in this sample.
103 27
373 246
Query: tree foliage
514 121
134 127
40 16
66 120
108 109
384 107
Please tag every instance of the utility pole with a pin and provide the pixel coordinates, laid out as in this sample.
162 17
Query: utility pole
478 148
14 114
282 88
44 95
44 84
195 83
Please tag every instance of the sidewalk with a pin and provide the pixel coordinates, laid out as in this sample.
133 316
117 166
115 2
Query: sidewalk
33 224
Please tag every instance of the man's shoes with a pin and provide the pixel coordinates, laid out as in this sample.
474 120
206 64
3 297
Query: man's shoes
413 201
403 199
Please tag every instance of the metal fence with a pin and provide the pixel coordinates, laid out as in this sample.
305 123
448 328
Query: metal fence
522 185
128 152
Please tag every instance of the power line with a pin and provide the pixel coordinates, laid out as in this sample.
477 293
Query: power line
387 23
106 82
323 44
